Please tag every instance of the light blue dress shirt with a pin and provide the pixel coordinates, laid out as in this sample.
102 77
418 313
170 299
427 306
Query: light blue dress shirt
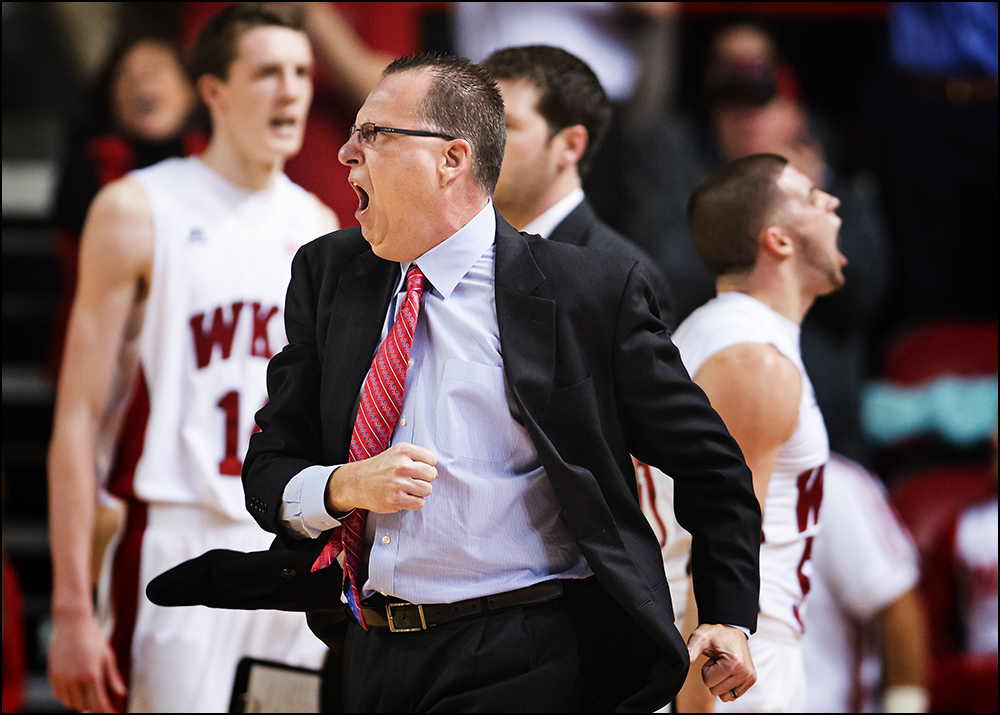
492 522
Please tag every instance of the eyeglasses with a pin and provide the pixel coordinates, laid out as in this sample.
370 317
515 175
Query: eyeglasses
369 132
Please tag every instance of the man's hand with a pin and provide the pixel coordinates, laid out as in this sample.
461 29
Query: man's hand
397 479
729 667
82 667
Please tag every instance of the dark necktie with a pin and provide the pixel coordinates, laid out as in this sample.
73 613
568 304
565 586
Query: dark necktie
378 412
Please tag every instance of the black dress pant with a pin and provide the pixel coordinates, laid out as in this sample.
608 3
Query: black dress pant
553 657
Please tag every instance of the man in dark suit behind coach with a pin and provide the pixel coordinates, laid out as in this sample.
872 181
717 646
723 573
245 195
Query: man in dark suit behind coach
506 488
557 117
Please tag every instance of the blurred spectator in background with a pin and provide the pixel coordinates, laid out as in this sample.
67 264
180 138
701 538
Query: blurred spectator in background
630 46
353 41
557 114
753 104
145 107
935 144
975 539
961 590
865 640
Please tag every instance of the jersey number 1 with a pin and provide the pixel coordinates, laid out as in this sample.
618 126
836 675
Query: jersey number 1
231 465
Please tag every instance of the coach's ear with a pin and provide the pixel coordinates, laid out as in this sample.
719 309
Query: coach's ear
455 161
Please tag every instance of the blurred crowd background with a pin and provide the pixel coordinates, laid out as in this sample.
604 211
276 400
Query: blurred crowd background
891 107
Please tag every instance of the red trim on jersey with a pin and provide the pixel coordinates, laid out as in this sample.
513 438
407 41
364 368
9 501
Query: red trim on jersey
125 566
131 440
649 488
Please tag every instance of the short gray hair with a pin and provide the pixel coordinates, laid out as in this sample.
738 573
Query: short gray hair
463 101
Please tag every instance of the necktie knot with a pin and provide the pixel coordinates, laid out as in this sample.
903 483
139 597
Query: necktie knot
414 280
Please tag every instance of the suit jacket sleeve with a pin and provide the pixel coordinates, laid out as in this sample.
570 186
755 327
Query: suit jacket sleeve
669 422
290 438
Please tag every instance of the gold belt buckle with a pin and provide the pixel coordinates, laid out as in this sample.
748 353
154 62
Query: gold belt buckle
392 625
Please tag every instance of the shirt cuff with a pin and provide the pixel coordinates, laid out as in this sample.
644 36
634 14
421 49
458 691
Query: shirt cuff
303 503
741 629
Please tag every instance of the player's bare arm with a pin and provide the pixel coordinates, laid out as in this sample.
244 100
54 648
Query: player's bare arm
756 390
115 267
904 649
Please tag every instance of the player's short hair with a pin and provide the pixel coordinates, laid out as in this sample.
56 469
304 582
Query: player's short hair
464 102
569 91
731 207
217 45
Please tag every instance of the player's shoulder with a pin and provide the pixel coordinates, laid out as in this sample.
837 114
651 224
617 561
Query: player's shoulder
123 200
756 367
731 318
171 173
119 226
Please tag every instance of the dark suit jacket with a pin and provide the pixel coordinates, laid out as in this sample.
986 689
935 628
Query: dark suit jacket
584 228
595 378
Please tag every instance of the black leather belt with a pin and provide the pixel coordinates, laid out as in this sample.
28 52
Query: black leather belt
403 616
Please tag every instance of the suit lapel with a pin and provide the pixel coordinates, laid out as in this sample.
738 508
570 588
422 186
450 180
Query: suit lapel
527 322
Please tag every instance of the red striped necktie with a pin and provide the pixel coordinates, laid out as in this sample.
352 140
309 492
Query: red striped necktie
378 412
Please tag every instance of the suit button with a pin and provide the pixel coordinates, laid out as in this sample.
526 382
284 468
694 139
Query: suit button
287 573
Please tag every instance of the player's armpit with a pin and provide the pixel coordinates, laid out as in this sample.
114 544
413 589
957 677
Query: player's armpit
756 390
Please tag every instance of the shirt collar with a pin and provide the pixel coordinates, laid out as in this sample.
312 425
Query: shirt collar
448 262
545 224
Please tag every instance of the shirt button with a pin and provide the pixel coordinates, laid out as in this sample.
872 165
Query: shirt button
409 362
386 539
402 422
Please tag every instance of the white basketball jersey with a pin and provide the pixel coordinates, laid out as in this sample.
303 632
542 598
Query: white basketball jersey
795 492
213 318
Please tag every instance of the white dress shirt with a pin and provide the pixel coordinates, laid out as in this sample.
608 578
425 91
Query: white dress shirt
546 223
492 522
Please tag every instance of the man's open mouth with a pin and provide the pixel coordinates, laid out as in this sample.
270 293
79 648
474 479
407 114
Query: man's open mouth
362 197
